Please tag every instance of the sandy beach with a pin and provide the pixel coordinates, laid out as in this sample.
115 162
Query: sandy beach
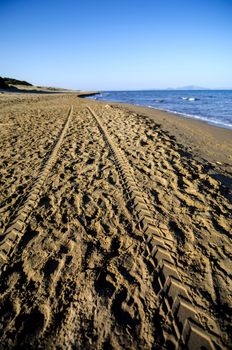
115 227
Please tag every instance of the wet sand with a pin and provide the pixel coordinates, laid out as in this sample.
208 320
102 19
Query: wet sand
115 231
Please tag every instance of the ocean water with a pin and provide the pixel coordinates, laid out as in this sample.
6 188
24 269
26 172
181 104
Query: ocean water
212 106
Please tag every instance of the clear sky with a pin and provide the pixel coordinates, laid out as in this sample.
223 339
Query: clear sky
117 44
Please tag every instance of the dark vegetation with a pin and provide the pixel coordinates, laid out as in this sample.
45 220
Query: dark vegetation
16 82
4 82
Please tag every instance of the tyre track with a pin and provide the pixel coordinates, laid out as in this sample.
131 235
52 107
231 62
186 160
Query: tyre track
17 225
184 328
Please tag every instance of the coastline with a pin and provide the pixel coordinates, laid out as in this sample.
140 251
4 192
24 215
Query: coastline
211 106
210 144
198 134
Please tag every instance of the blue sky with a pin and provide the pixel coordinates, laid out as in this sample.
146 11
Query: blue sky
117 45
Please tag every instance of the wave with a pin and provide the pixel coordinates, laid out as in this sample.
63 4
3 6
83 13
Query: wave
190 98
195 116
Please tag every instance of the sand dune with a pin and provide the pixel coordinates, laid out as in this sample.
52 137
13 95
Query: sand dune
113 235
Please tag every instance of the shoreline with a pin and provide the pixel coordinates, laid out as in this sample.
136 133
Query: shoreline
172 121
174 110
209 144
175 113
191 116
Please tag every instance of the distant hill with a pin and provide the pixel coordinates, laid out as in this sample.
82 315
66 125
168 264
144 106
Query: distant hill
16 81
190 87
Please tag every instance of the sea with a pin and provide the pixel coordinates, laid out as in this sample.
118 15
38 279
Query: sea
211 106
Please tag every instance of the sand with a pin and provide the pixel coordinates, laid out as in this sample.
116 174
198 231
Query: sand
115 231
